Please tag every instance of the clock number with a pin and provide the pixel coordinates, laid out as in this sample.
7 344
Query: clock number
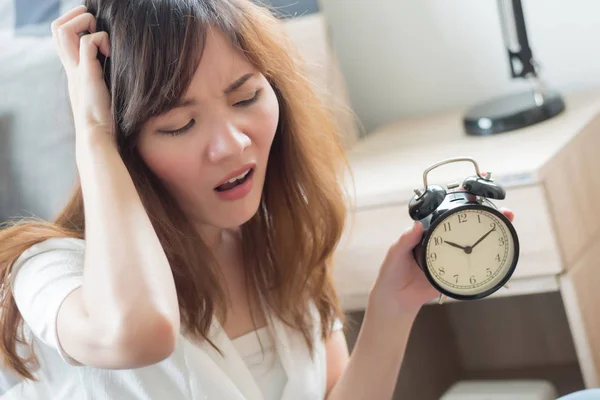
479 218
462 218
501 241
437 240
472 280
493 225
447 227
441 271
433 256
498 257
488 272
455 276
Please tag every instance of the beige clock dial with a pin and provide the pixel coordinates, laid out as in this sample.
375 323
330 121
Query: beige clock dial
470 252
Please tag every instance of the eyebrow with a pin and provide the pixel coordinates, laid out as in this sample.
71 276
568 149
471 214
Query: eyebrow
238 83
185 103
231 88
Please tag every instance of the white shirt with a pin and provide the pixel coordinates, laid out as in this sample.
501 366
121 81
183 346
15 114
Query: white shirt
46 273
258 352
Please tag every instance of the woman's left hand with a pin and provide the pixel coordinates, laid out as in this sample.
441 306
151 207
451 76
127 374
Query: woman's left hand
401 287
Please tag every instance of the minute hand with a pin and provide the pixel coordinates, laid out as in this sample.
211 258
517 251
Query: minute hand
483 237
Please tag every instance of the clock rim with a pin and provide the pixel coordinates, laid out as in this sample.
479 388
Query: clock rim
449 213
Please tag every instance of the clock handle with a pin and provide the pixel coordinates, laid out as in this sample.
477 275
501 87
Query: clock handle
448 161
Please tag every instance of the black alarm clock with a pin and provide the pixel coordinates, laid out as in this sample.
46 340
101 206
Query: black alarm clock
469 249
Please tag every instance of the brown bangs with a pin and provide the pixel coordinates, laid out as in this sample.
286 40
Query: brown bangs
160 44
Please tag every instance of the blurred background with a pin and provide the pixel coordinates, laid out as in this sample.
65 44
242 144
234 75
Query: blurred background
399 75
397 59
405 58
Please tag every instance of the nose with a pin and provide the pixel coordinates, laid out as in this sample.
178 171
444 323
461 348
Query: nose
227 141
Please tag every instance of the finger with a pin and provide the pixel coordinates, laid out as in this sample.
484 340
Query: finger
57 23
410 238
508 214
90 45
70 34
402 248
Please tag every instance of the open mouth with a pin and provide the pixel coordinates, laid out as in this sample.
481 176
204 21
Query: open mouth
236 181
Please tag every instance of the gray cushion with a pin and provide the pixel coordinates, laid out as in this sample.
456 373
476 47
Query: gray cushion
292 8
32 17
36 136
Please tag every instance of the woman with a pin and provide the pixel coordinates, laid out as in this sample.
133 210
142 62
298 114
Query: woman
193 261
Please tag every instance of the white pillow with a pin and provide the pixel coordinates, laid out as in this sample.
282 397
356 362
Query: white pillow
309 34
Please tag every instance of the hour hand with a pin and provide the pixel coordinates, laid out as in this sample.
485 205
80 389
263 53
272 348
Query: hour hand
454 245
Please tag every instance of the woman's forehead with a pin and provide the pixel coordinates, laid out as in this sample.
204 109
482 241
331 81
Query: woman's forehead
221 63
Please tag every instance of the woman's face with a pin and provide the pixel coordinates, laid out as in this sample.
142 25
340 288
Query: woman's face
211 152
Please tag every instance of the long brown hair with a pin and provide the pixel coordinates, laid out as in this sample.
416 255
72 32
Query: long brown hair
288 244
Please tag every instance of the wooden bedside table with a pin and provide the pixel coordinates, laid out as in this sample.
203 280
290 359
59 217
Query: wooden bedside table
551 172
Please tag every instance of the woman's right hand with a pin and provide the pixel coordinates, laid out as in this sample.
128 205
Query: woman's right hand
90 99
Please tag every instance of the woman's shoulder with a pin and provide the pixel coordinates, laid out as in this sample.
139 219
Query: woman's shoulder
50 251
337 323
54 245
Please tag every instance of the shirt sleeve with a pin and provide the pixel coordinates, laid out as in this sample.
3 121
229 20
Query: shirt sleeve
337 325
42 277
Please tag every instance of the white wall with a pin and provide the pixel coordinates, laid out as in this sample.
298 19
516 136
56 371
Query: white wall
408 57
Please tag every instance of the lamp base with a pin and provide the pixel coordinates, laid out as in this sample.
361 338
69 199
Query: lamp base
512 112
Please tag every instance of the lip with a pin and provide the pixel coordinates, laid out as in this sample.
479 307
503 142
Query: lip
240 191
236 173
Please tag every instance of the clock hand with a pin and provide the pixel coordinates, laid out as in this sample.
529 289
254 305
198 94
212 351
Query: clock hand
483 237
454 245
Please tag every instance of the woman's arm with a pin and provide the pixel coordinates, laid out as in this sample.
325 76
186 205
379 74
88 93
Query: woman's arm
394 301
125 314
372 370
336 349
398 294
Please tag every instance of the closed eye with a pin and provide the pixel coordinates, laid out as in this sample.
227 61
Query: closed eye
180 130
249 101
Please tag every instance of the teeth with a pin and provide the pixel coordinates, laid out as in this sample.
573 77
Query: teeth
240 176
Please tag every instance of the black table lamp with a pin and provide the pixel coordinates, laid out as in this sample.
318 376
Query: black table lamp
522 109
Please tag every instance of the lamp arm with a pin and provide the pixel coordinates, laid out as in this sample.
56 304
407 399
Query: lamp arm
522 64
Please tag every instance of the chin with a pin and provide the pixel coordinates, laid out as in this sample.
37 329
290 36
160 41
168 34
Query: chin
232 216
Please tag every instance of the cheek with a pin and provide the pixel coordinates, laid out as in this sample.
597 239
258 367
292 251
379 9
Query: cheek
268 119
171 164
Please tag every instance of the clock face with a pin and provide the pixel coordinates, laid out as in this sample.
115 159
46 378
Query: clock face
470 252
